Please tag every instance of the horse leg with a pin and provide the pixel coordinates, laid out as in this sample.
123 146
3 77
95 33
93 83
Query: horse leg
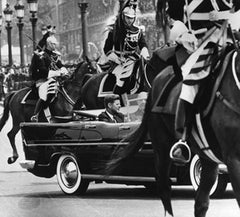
163 183
208 177
162 162
11 135
233 165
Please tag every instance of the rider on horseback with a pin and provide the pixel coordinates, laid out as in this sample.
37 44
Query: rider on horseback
198 42
44 67
122 45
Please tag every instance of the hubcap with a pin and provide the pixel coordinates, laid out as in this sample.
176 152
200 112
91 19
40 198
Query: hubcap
197 172
69 173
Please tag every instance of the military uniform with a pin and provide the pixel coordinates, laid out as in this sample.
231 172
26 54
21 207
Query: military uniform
203 16
130 44
123 46
42 64
44 67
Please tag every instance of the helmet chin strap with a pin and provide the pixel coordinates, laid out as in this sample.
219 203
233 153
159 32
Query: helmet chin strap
126 24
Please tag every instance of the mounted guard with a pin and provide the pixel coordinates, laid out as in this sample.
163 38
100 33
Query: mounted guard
199 27
46 66
122 47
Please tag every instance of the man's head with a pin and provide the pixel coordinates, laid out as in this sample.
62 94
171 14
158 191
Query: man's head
112 103
52 43
44 29
128 16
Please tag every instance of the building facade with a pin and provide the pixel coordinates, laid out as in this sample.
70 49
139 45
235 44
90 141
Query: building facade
100 13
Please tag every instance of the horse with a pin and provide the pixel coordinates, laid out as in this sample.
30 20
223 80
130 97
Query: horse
90 90
62 106
221 121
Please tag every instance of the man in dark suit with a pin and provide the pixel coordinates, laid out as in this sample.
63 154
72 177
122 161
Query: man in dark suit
112 114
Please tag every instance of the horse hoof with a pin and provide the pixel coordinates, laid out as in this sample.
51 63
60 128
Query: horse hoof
12 159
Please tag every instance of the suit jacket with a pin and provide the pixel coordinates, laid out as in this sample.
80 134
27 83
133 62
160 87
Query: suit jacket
105 117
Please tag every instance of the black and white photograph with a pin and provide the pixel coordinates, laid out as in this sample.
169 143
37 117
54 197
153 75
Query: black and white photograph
119 108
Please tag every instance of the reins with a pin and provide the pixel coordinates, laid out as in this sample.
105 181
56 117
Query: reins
62 90
223 99
66 96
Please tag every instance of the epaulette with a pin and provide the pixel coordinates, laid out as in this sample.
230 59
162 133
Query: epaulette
57 53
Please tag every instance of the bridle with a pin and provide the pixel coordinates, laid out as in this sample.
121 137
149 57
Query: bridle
66 96
62 90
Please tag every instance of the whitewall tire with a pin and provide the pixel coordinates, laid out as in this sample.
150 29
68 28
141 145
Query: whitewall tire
69 176
195 173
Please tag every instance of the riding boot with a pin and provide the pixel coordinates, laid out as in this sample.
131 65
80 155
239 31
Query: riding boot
37 110
180 151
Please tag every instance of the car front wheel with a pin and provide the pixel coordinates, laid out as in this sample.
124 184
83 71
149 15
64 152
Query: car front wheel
195 173
69 176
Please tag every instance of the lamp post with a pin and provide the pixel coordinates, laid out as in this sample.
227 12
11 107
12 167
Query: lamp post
19 7
33 6
8 18
121 2
83 7
0 40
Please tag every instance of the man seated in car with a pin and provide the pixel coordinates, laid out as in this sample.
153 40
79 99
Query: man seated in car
112 106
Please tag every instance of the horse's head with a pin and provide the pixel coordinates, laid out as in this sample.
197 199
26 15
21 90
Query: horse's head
70 87
84 69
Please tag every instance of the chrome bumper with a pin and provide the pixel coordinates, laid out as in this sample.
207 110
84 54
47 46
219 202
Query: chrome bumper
27 164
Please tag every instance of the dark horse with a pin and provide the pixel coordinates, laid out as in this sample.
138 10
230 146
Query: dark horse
62 106
220 125
90 90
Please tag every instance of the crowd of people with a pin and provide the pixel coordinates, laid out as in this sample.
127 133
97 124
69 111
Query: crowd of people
13 78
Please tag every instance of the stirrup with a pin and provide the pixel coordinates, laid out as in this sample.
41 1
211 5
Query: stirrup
180 158
34 118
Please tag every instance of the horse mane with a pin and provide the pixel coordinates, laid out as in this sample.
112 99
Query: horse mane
79 65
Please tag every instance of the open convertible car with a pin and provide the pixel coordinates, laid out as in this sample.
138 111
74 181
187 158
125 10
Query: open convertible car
74 152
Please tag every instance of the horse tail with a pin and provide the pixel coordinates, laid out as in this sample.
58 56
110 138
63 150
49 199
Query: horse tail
135 140
5 114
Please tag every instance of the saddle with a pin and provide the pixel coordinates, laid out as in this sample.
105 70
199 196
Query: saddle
202 132
132 85
31 96
168 90
169 86
30 99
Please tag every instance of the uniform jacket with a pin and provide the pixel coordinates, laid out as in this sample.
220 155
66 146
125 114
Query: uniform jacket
42 43
176 11
119 117
132 40
41 64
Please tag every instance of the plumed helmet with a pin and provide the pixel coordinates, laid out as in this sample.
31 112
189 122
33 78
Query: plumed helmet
129 12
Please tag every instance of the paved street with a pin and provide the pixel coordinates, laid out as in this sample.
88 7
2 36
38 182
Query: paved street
24 195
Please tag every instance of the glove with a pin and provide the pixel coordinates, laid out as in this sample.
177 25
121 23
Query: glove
178 29
145 54
53 73
189 41
114 58
63 71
